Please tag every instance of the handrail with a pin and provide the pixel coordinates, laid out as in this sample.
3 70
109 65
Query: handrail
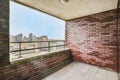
49 46
39 41
34 48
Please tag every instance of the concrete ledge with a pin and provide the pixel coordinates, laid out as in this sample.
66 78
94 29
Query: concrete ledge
49 54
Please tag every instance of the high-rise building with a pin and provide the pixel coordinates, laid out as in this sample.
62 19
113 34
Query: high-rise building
42 44
25 38
12 38
19 38
30 37
34 38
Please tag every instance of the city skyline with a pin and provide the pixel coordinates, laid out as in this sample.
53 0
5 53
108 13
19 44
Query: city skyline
26 20
27 35
30 37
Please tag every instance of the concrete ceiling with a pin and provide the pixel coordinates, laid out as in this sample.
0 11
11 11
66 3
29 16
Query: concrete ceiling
72 9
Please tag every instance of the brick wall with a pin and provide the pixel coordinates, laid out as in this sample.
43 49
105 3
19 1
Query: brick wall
4 32
24 69
93 39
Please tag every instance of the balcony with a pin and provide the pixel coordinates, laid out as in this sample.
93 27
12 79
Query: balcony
91 50
21 51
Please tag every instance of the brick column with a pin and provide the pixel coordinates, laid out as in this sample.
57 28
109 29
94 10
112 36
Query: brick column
4 32
119 42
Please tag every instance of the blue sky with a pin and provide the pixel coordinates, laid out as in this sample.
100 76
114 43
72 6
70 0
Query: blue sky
26 20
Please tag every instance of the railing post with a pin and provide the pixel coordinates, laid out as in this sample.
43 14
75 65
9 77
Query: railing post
34 47
56 45
48 46
20 49
64 44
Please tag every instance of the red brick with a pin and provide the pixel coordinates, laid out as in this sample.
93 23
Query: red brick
93 39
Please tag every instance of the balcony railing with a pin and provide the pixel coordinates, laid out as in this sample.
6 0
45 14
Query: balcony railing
22 48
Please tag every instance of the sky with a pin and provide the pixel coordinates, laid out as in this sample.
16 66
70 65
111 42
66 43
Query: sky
26 20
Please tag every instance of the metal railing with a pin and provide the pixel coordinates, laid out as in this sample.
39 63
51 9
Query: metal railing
21 48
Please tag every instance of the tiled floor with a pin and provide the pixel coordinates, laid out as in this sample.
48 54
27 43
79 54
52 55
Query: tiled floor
81 71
